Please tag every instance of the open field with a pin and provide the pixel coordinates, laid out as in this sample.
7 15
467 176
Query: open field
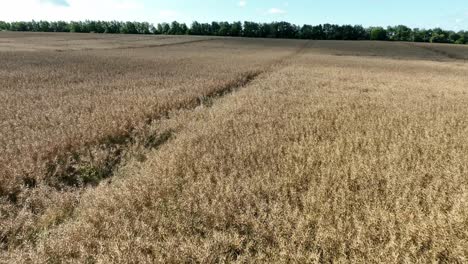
231 150
14 41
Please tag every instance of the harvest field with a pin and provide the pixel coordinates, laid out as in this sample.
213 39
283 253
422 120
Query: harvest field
142 149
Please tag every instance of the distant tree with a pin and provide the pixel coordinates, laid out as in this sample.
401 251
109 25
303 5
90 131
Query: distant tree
215 27
454 37
439 36
391 33
99 27
59 26
464 34
463 39
21 26
421 35
153 30
403 33
331 32
286 30
175 28
236 29
75 27
312 32
224 29
317 32
4 25
184 29
360 33
195 29
399 33
378 33
129 28
347 32
112 27
206 29
142 28
251 29
90 26
247 29
306 32
164 28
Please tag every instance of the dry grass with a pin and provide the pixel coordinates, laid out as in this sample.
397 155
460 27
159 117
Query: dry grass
69 117
322 158
17 41
459 52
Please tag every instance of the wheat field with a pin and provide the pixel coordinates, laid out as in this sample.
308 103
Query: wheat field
232 150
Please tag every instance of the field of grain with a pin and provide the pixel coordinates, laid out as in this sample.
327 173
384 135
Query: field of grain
232 150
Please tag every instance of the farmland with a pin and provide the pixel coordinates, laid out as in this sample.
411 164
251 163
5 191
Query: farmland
207 149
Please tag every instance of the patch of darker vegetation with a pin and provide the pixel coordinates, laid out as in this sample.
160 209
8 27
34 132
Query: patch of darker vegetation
91 165
207 100
164 45
437 51
154 141
80 170
89 168
76 168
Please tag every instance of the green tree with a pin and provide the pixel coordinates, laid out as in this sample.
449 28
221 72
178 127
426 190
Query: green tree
317 32
224 29
175 28
461 40
76 27
378 33
306 32
236 29
331 32
59 26
251 29
164 28
421 35
215 27
347 32
112 27
4 25
184 29
454 37
439 36
195 28
206 29
20 26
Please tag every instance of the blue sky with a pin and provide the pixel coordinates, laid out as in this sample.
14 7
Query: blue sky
449 14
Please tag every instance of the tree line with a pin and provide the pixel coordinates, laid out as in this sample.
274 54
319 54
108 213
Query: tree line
247 29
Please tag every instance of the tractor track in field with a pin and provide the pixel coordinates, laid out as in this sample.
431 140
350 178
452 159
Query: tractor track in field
439 52
140 46
74 171
149 45
119 143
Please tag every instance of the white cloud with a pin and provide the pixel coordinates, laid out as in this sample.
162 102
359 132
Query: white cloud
276 11
52 10
55 2
242 3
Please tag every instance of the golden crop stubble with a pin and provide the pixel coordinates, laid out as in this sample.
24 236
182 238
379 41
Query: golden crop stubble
342 159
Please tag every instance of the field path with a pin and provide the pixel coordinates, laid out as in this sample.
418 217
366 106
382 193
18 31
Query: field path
317 159
68 174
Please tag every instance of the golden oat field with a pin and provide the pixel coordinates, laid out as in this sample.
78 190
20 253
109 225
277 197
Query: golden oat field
160 149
